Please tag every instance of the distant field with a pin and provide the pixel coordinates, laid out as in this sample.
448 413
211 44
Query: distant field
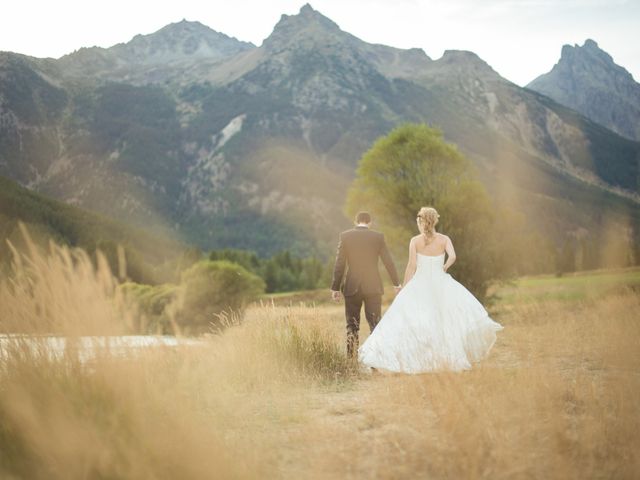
569 287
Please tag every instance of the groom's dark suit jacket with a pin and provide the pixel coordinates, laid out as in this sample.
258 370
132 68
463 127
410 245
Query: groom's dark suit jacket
358 252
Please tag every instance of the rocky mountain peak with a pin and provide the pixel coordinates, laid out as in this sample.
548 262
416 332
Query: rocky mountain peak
182 27
308 16
177 41
588 80
307 26
149 58
308 13
592 45
589 52
463 57
458 62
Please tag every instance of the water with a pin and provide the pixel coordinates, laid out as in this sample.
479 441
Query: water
89 346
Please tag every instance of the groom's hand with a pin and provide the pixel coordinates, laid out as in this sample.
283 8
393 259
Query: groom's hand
335 295
397 288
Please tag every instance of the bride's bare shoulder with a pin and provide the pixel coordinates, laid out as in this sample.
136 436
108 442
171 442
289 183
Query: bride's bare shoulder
442 236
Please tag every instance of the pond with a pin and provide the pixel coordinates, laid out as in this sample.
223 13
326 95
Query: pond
88 346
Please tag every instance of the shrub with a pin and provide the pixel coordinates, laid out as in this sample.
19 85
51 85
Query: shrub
152 302
211 290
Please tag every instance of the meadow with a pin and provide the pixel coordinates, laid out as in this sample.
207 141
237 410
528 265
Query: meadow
274 396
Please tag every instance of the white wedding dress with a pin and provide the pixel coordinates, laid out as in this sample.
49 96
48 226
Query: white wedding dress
434 323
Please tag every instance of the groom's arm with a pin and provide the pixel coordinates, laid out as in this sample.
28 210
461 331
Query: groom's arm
388 263
338 269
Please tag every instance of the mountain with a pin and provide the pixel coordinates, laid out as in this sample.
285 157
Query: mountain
587 80
255 147
147 57
147 256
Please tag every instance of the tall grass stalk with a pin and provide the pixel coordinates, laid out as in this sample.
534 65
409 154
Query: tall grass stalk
275 397
62 291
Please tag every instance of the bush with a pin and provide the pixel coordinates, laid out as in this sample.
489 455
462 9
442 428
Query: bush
211 293
212 290
282 272
152 302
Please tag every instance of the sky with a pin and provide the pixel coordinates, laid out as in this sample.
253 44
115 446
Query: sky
520 39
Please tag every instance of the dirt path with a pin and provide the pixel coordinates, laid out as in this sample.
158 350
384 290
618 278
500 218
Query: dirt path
367 427
345 433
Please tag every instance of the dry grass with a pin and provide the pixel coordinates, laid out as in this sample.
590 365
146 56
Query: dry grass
61 291
557 399
275 397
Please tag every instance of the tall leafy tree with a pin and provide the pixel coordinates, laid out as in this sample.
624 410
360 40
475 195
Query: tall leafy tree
413 167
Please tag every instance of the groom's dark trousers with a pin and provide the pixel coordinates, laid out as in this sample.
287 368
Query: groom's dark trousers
358 252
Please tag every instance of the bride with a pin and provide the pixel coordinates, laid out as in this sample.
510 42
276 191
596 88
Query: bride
434 323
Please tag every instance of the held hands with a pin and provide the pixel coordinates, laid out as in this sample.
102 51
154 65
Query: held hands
335 295
397 288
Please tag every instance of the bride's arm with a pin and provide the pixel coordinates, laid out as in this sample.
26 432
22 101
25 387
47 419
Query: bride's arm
451 254
411 264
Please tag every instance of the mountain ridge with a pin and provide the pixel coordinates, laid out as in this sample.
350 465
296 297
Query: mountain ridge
219 150
171 45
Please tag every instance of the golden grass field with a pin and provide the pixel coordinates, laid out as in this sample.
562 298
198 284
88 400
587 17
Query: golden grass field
274 397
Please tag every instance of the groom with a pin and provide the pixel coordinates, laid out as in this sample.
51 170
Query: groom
358 251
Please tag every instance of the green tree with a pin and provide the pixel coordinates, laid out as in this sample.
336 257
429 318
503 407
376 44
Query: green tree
413 167
311 274
270 276
247 259
281 272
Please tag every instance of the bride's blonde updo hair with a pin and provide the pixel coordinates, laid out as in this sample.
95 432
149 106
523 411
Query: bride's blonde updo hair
427 221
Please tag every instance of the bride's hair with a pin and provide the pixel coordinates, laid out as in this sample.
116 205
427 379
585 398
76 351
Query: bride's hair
427 221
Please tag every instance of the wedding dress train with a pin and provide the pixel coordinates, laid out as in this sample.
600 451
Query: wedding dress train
434 323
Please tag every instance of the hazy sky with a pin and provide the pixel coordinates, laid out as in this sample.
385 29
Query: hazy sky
519 38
